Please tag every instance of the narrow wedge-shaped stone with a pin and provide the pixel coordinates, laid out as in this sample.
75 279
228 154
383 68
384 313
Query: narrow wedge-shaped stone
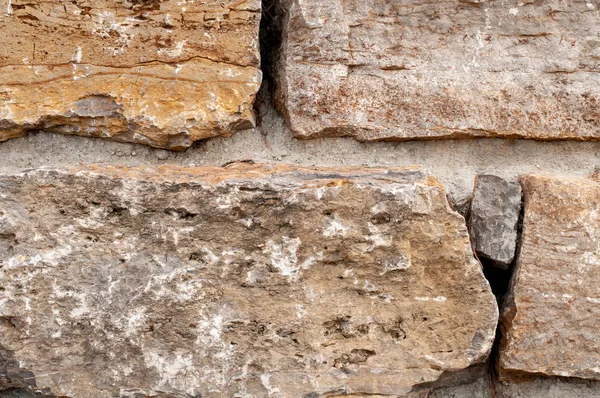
247 281
493 218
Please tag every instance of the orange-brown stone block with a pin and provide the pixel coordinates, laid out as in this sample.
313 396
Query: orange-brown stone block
162 73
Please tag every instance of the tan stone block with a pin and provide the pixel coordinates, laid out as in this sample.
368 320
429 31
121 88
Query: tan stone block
244 281
551 319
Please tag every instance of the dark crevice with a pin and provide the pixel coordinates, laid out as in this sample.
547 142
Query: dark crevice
498 278
519 230
180 213
500 281
270 37
270 43
492 371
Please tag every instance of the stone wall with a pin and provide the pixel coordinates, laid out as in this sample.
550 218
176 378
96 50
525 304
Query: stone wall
299 198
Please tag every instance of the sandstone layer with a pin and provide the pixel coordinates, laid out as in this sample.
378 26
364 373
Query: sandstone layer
248 281
162 73
415 69
493 218
551 320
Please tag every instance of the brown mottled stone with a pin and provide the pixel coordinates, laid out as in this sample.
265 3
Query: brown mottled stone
248 280
162 73
399 70
550 324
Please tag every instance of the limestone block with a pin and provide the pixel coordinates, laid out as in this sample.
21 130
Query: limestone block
550 322
414 69
163 73
245 281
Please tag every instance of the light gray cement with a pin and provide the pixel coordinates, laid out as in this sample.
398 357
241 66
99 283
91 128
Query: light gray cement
537 388
454 162
549 388
478 389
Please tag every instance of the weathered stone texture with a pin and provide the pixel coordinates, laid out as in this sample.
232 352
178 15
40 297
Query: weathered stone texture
494 216
551 320
245 281
162 73
548 387
376 69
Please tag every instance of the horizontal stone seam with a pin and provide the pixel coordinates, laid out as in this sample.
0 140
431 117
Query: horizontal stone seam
404 68
147 75
141 64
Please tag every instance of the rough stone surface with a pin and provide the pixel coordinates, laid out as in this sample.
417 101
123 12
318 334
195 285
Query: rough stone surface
376 69
550 323
548 387
162 73
538 388
494 216
250 280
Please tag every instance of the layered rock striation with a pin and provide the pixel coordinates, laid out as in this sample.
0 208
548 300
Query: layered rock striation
161 73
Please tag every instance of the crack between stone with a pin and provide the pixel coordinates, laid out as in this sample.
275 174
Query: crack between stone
502 296
141 64
146 75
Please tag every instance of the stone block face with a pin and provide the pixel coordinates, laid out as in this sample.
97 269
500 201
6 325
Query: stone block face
162 73
494 216
550 324
248 281
399 70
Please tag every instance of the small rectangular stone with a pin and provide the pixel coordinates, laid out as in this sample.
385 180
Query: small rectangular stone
248 280
493 218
